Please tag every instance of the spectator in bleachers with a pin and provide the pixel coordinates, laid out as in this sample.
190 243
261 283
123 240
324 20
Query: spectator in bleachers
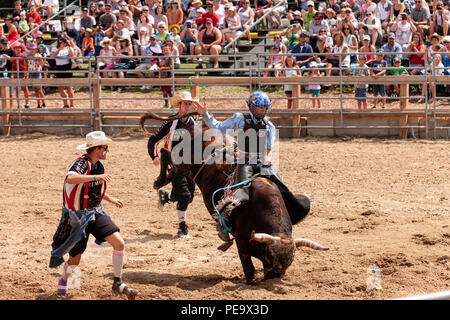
351 41
115 6
128 22
174 53
435 46
34 3
107 63
162 34
159 16
335 6
142 41
189 38
403 28
420 17
73 32
49 8
152 52
302 61
209 42
278 39
35 66
295 17
107 20
354 6
321 49
342 58
347 17
247 16
12 34
196 10
232 24
397 71
275 62
391 49
314 26
330 20
291 69
416 61
125 50
384 13
208 14
33 16
135 7
371 26
19 63
440 21
97 32
275 16
309 14
87 45
368 49
445 54
175 34
120 31
145 22
6 52
17 11
63 53
397 9
94 12
174 15
378 69
261 7
84 22
23 26
292 34
368 5
101 9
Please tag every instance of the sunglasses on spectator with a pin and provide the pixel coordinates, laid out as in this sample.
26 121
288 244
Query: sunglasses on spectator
346 28
322 31
368 14
144 10
104 147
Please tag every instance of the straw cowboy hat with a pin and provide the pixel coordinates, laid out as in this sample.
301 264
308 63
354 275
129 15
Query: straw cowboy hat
94 139
175 26
181 96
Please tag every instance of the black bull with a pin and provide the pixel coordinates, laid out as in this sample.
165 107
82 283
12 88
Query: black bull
262 227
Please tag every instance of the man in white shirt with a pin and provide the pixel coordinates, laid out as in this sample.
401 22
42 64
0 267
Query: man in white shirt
371 25
384 12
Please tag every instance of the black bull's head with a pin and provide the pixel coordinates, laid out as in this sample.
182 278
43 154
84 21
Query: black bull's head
262 227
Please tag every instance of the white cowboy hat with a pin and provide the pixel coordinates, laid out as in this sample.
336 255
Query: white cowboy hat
105 39
94 139
181 96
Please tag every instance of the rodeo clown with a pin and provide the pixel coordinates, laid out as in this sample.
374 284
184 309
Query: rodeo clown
182 188
259 105
82 214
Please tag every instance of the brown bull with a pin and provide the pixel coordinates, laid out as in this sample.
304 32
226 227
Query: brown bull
262 227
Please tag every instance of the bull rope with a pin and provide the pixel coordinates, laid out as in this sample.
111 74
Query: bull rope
226 228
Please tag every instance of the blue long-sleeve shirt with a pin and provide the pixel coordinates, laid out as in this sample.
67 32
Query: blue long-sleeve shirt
237 121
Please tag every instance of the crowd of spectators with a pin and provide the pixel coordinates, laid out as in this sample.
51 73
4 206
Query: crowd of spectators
324 35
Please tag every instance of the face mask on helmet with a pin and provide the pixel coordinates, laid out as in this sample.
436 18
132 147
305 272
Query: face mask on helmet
259 99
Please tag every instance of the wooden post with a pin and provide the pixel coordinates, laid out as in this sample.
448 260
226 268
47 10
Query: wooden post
296 119
195 90
403 121
4 93
96 104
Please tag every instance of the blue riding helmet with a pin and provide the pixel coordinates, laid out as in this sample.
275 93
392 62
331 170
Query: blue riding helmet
259 99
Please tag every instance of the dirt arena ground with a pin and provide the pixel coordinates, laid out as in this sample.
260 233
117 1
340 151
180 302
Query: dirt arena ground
383 203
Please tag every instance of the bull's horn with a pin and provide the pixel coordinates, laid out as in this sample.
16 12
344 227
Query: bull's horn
264 237
308 243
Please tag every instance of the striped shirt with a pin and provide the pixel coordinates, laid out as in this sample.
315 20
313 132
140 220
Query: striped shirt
73 194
